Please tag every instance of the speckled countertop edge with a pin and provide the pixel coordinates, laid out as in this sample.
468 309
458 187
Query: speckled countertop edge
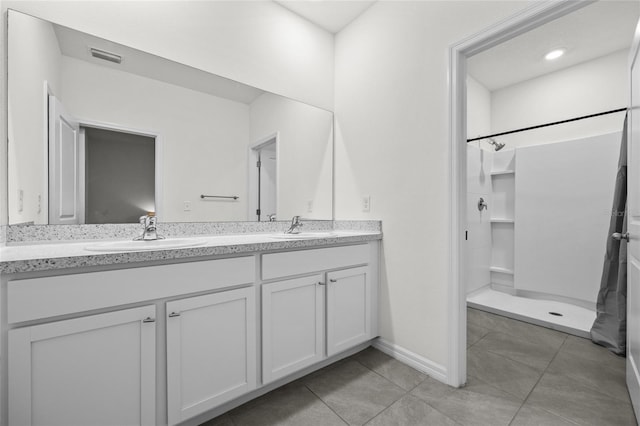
40 233
54 256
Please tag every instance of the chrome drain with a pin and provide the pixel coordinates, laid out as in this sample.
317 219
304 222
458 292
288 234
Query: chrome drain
557 314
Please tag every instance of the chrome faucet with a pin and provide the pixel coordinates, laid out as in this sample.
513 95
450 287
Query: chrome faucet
272 217
149 231
296 224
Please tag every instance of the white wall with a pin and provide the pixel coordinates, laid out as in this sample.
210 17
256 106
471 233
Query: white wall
478 109
391 102
4 178
584 89
37 59
305 154
204 138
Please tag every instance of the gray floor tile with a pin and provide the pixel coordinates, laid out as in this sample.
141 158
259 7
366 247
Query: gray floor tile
478 404
596 374
354 392
475 332
290 405
505 374
519 349
534 333
533 416
223 420
411 411
585 348
391 369
570 399
431 390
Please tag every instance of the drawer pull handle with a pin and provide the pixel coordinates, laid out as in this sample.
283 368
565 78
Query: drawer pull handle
174 314
321 283
149 319
333 281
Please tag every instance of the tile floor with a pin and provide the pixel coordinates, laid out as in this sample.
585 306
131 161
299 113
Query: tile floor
519 374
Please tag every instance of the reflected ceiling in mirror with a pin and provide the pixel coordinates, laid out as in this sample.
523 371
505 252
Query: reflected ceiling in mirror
253 154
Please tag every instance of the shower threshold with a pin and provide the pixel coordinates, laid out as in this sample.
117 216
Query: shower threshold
559 316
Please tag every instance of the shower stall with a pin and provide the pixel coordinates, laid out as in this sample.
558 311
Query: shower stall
538 218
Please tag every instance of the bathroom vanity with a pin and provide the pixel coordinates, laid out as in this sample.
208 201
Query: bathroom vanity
180 335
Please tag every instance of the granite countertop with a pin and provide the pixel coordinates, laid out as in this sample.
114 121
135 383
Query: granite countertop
29 257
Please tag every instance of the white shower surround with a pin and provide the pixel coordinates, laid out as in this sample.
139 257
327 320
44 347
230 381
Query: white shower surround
563 199
549 210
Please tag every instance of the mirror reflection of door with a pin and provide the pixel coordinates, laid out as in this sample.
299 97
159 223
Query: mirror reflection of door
64 164
98 175
265 196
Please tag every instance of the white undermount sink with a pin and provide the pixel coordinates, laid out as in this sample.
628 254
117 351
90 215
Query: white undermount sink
139 245
304 235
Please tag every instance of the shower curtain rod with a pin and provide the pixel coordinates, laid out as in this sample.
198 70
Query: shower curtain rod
548 124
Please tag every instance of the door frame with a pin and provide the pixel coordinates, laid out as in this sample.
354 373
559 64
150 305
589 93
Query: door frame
504 30
252 186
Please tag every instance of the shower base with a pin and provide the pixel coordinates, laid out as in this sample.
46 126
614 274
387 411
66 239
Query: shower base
559 316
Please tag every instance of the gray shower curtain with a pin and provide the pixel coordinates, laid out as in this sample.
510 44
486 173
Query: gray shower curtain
610 327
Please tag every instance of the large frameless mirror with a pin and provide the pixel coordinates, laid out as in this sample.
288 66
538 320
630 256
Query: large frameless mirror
103 133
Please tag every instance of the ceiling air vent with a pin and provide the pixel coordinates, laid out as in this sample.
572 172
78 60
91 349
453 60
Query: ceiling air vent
104 55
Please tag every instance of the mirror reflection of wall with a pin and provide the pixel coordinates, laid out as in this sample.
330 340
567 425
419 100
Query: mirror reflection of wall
206 125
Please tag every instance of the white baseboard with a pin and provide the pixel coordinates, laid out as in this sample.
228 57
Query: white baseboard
432 369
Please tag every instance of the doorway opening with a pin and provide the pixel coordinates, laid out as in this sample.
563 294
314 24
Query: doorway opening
263 179
100 173
529 19
119 175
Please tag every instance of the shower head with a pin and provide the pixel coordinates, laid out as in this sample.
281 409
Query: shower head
496 145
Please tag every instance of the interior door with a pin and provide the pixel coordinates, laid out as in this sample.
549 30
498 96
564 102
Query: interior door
64 165
633 225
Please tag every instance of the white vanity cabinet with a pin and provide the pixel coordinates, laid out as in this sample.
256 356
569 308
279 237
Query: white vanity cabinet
309 318
349 309
94 370
211 351
292 325
178 343
107 367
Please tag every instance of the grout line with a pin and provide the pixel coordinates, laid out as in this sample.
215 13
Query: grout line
538 382
407 393
325 404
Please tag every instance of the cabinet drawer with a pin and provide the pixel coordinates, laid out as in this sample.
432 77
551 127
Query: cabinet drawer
38 298
305 261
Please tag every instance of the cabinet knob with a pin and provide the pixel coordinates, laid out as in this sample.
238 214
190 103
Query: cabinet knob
174 314
149 319
333 280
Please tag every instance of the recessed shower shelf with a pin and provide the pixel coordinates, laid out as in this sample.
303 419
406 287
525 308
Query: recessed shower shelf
502 172
501 270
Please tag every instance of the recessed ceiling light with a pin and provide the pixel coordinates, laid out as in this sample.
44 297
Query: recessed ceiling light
554 54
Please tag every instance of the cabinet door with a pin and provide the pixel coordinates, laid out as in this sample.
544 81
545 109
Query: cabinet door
211 351
94 370
292 325
349 301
